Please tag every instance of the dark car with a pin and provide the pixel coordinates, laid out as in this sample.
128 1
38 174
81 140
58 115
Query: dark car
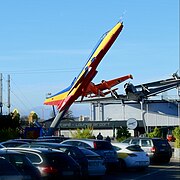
87 159
53 164
159 150
55 139
8 171
13 143
102 147
22 164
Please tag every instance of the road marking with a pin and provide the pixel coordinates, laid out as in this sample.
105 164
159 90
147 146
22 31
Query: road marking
149 174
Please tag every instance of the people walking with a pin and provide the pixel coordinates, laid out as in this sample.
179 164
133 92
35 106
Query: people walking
108 139
99 136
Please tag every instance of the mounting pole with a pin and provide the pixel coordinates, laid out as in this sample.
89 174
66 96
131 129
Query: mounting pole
9 105
142 116
1 90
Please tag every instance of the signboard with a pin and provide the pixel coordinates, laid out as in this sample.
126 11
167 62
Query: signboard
131 123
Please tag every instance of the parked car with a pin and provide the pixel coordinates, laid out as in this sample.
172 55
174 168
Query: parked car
159 150
1 146
131 156
91 163
53 164
8 171
96 163
22 164
13 143
55 139
102 147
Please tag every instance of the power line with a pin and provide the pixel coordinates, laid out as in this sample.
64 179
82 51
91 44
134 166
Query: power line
38 71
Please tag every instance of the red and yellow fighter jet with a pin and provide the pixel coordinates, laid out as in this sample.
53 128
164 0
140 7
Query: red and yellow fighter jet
64 99
104 88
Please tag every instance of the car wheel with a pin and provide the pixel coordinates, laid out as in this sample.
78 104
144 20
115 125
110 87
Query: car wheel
122 165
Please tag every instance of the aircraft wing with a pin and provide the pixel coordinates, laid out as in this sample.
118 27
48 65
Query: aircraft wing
56 99
143 91
160 83
98 89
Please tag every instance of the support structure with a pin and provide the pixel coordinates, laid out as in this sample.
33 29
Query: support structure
142 115
1 95
9 100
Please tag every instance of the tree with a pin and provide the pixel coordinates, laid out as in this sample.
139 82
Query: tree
32 117
8 133
83 133
68 114
176 134
156 133
122 134
10 124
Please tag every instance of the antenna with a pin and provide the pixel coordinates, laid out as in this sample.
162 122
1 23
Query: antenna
122 16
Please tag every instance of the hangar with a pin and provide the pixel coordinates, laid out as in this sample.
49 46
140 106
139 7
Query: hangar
107 114
140 109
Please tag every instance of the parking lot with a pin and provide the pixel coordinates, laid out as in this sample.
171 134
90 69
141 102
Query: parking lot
157 171
92 165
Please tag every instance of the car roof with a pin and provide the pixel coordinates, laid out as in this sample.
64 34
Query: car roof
8 151
35 150
85 140
122 145
51 143
143 138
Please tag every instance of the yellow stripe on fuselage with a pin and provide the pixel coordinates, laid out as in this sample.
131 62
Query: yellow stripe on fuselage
58 97
97 51
76 84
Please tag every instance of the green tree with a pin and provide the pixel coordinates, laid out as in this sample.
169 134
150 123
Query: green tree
122 134
15 116
83 133
32 117
156 133
8 133
176 134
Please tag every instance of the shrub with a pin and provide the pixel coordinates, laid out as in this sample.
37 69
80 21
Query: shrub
176 134
122 134
83 133
156 133
9 133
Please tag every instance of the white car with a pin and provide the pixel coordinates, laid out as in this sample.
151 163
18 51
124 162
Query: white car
131 156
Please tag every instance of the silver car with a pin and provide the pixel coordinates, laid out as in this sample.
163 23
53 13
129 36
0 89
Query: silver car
159 150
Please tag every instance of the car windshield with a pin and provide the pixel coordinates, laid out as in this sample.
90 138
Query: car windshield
60 160
126 141
72 151
102 145
135 148
88 152
160 142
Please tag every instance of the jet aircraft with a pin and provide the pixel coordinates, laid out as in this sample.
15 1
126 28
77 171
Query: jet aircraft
143 91
64 99
99 90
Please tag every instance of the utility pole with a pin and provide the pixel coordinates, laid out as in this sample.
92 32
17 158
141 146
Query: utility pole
1 90
9 105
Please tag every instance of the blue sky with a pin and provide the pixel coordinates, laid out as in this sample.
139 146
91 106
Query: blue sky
44 44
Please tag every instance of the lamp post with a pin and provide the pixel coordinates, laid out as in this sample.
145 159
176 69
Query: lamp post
178 103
